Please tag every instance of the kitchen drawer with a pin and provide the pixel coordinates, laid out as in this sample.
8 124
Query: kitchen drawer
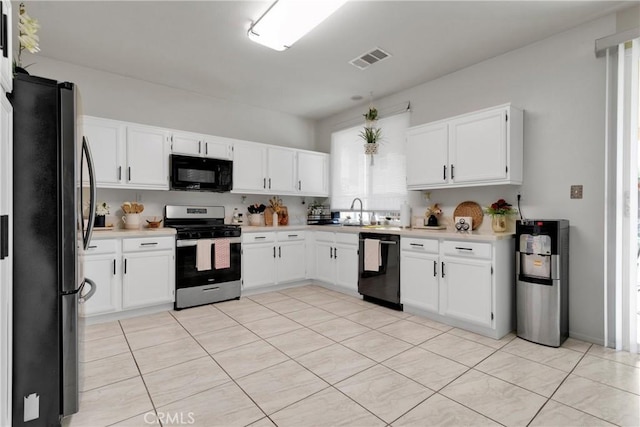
102 247
148 244
284 236
348 238
325 236
467 249
265 237
419 245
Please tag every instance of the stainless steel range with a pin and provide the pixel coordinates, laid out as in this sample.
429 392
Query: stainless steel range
208 256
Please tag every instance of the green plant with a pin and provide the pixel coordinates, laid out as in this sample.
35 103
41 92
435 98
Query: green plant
371 115
371 135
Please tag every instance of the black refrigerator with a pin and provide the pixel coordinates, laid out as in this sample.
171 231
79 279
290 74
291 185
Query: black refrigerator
50 235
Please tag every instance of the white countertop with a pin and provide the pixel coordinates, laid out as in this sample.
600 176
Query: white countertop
117 233
408 232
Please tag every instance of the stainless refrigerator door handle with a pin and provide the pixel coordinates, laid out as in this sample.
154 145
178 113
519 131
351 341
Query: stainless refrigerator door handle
85 297
86 150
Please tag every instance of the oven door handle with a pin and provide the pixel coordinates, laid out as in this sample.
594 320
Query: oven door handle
194 242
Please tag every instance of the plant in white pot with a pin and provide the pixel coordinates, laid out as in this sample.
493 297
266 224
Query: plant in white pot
371 134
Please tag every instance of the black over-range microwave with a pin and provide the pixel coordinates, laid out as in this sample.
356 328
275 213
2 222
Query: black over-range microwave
201 174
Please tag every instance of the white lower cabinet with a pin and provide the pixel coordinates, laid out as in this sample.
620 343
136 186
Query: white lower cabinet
102 267
467 284
129 273
271 258
419 271
337 259
467 290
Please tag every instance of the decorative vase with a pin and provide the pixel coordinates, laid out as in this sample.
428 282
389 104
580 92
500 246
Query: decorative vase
100 221
256 219
499 223
19 70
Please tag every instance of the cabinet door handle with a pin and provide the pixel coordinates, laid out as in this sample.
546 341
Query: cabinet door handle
279 251
335 253
419 245
125 266
199 147
119 173
330 252
444 172
292 235
299 185
435 269
442 269
264 182
459 248
259 237
114 267
149 244
206 148
269 183
92 247
452 176
129 173
274 251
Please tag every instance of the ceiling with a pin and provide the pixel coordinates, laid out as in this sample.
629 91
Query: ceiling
202 46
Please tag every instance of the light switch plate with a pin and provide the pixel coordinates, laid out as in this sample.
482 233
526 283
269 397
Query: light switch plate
576 191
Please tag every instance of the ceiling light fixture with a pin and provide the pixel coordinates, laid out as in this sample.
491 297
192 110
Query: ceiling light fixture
286 21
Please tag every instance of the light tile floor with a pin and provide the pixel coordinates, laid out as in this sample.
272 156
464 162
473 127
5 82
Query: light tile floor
310 356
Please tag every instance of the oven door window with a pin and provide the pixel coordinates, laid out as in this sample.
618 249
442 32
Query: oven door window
188 276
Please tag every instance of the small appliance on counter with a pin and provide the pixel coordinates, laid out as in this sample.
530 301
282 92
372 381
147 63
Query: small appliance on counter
322 216
542 280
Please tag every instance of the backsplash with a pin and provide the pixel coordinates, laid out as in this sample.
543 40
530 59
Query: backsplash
155 201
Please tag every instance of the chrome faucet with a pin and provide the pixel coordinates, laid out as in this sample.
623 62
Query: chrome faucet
353 203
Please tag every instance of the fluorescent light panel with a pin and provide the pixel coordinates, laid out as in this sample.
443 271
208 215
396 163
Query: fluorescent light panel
286 21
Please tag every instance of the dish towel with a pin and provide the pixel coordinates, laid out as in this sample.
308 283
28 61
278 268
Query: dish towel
222 256
372 255
203 254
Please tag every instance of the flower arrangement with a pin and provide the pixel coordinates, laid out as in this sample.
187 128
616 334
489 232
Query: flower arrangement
433 210
371 115
27 37
501 207
102 209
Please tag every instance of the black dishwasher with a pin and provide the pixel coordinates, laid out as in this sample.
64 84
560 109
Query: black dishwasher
379 269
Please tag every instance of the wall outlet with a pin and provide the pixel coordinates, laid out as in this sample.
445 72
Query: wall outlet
576 191
138 197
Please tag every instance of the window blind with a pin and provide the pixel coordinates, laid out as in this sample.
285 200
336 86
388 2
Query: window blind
381 186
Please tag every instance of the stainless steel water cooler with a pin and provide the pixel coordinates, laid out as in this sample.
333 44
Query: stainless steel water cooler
542 281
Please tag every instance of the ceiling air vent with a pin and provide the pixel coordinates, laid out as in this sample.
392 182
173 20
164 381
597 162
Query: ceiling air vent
369 58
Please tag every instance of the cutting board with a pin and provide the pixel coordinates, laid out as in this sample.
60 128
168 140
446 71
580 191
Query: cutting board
283 218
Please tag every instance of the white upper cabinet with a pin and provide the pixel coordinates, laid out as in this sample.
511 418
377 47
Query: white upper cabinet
427 155
480 148
6 55
126 155
281 164
261 168
249 168
188 144
193 144
147 157
106 140
313 173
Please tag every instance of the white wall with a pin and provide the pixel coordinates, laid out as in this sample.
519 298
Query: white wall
560 85
121 98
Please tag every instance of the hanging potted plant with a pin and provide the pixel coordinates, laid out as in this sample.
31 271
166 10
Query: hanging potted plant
371 134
